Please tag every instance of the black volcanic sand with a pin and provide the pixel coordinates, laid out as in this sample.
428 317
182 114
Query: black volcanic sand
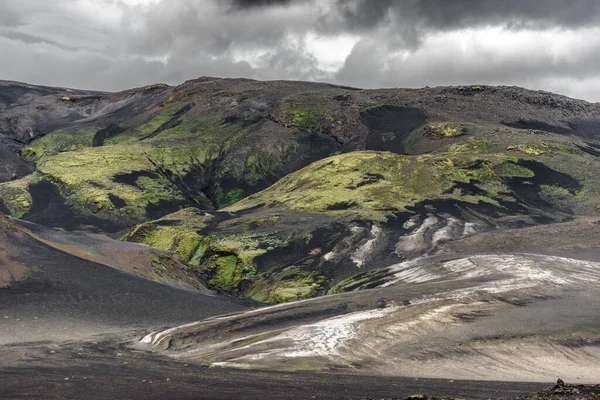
109 371
68 298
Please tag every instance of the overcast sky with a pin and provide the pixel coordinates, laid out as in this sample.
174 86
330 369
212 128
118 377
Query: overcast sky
116 44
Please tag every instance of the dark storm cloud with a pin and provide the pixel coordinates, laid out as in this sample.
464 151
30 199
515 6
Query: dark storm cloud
408 21
114 44
450 14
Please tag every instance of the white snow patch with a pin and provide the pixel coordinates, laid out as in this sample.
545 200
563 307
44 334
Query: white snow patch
412 222
446 233
410 272
322 338
416 240
361 255
469 229
524 270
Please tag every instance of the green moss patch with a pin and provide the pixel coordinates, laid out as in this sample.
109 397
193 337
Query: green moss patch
89 176
58 142
290 285
305 118
176 232
229 251
228 270
16 196
533 149
310 112
373 184
445 130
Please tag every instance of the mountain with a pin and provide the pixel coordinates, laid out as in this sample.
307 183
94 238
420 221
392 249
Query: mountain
114 160
439 227
361 169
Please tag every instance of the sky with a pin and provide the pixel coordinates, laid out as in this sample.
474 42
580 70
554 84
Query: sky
111 45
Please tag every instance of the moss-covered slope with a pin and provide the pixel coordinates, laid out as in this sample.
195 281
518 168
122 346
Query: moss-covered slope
300 184
377 185
269 256
111 160
207 143
315 229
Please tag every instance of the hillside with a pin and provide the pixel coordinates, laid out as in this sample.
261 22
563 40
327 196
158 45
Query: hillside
111 160
416 236
280 190
57 286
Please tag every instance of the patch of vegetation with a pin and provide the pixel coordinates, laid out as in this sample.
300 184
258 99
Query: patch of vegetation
86 177
263 163
242 97
152 125
156 86
534 149
16 196
58 142
445 130
405 181
169 151
228 271
235 195
290 285
473 145
555 192
514 170
175 232
228 253
305 119
309 114
333 186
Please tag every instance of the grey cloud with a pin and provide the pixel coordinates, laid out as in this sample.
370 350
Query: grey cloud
33 39
8 16
64 43
240 4
14 13
207 25
89 70
406 22
449 14
444 63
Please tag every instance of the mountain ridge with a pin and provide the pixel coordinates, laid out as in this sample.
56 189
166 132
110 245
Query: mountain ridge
449 161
